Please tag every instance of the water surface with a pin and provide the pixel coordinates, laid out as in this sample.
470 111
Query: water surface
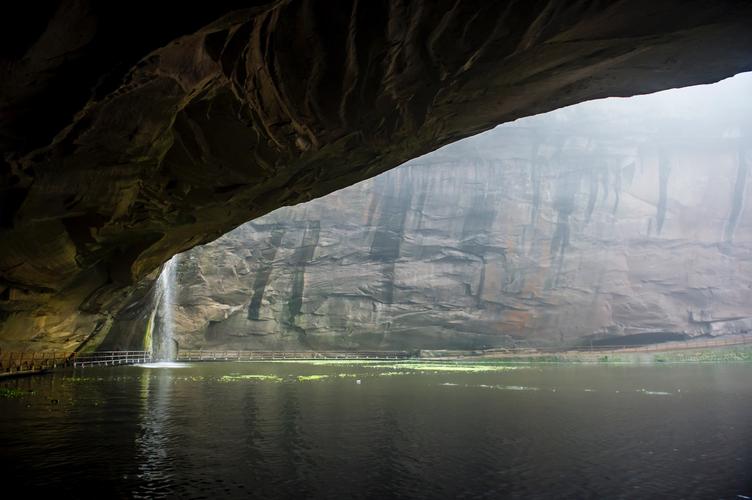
382 430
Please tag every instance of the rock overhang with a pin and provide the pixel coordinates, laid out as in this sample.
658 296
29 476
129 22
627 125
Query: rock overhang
122 148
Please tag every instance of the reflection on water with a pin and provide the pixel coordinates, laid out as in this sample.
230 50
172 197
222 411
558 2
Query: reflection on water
298 430
153 441
164 364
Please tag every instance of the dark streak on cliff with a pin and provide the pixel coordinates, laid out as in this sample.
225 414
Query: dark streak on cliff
262 275
664 170
387 238
738 201
302 256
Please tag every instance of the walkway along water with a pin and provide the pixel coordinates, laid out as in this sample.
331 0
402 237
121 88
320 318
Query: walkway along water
200 355
29 363
15 364
112 358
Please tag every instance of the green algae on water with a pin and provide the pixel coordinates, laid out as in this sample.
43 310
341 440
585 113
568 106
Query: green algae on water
78 380
654 393
9 393
499 387
306 378
234 377
450 367
195 378
323 362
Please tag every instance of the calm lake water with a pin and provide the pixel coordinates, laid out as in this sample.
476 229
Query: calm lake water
301 430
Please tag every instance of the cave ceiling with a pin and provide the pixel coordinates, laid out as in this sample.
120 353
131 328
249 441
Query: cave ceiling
133 131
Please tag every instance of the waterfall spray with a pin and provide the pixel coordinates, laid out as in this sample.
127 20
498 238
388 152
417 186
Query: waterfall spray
166 292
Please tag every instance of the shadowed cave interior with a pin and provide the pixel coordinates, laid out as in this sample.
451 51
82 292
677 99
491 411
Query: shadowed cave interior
120 153
376 249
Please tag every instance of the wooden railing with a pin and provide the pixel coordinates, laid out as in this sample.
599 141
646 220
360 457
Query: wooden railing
201 355
14 362
739 339
19 362
111 358
670 345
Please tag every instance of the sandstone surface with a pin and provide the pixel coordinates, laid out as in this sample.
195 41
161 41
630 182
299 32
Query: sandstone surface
618 219
131 132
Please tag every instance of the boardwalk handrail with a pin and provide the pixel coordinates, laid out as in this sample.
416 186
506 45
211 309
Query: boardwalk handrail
235 355
738 339
107 358
20 361
231 355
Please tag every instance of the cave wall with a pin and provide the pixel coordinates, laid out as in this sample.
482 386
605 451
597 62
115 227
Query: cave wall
612 218
132 132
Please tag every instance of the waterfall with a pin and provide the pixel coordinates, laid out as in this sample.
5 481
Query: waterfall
166 292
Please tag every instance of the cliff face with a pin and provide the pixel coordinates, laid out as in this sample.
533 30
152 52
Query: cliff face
130 133
611 218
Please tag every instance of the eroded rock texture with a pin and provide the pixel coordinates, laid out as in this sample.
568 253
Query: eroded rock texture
132 132
619 218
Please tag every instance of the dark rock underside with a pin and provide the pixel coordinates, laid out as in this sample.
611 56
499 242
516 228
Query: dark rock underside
132 132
